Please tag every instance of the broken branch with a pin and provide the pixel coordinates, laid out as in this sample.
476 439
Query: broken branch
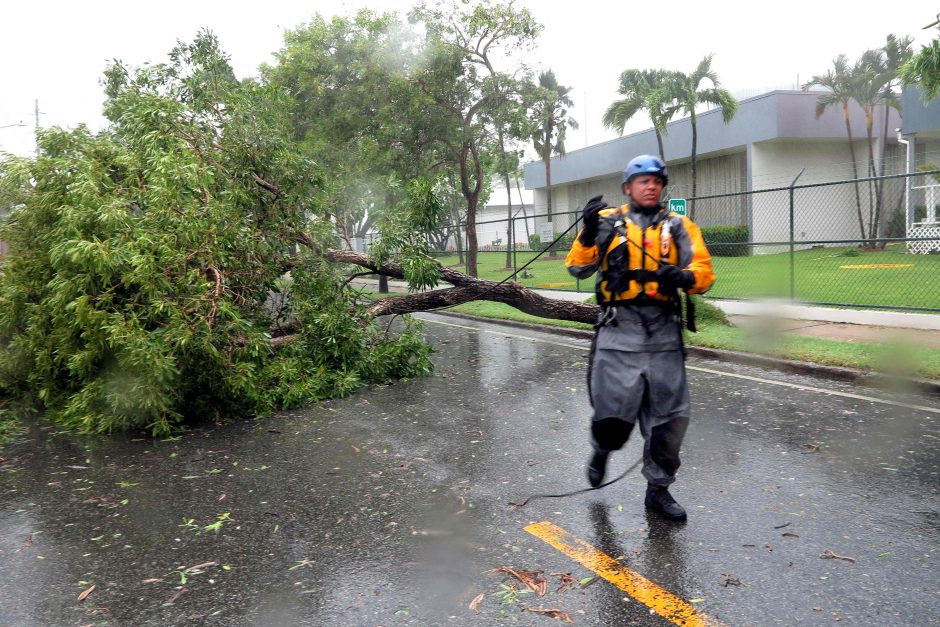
466 288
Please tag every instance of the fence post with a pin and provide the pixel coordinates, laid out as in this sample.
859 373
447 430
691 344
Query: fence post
512 242
792 233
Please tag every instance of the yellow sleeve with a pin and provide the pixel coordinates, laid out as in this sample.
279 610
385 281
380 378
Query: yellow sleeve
701 264
581 260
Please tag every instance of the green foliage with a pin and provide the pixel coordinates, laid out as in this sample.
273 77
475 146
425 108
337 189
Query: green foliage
404 230
727 240
12 424
923 70
563 245
357 113
138 288
707 314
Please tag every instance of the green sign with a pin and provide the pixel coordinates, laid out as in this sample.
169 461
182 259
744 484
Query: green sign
677 205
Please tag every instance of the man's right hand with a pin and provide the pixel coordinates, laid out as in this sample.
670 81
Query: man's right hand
591 217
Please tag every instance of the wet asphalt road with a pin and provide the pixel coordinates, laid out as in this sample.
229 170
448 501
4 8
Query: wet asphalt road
391 506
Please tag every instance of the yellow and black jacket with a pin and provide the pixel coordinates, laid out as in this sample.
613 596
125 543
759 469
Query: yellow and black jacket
635 241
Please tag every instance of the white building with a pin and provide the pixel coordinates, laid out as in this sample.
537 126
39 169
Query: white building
774 140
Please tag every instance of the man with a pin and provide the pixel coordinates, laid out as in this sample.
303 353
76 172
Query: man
644 256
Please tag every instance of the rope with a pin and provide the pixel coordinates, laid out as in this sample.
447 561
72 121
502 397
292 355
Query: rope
511 276
567 494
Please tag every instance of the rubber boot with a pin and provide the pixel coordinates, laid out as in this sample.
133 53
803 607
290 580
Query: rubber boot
597 466
659 500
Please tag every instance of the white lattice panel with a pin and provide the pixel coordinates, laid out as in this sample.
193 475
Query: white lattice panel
930 229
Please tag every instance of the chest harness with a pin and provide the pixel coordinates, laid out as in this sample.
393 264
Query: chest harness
624 283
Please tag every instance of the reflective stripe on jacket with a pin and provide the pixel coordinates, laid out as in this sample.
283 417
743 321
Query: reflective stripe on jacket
682 246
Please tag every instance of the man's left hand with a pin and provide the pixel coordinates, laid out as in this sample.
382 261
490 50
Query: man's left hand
671 275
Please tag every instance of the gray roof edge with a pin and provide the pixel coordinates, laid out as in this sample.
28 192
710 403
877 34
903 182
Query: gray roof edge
760 118
650 131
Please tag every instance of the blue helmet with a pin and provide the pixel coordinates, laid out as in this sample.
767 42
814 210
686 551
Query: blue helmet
646 164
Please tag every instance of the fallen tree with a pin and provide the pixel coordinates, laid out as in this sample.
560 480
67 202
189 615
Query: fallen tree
147 280
466 288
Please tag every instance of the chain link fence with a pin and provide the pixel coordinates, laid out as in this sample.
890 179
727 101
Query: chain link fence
863 243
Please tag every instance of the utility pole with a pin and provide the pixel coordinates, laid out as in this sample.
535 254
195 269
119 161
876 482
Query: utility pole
37 127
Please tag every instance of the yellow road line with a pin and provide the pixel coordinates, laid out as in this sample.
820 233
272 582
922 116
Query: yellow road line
661 601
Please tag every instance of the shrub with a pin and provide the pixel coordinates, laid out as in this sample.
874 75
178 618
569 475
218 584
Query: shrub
562 246
727 240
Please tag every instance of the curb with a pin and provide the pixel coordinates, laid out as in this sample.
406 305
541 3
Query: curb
835 373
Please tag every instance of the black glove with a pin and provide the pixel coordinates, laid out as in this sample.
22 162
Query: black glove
673 276
591 217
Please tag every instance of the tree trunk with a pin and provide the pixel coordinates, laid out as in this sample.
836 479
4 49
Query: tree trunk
465 288
873 209
470 158
659 142
525 216
509 230
858 198
548 196
389 207
472 235
455 217
881 200
694 180
458 234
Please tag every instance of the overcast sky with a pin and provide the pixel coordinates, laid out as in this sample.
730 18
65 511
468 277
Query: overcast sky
56 51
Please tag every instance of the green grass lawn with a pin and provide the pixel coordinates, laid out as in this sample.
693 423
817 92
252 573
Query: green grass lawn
830 275
899 359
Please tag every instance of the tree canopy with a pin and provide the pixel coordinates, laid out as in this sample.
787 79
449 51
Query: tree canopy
145 261
923 68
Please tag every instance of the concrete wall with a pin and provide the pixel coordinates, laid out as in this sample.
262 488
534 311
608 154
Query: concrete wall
829 212
776 115
492 225
726 174
918 117
720 175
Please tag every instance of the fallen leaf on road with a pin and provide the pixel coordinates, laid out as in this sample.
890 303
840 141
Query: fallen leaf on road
152 580
28 543
786 524
587 581
564 617
475 603
730 580
565 580
829 555
529 577
789 535
175 596
198 567
86 592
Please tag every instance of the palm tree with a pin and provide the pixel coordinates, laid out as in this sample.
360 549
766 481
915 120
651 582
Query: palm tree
867 87
685 92
897 51
550 114
839 82
923 68
636 87
875 76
